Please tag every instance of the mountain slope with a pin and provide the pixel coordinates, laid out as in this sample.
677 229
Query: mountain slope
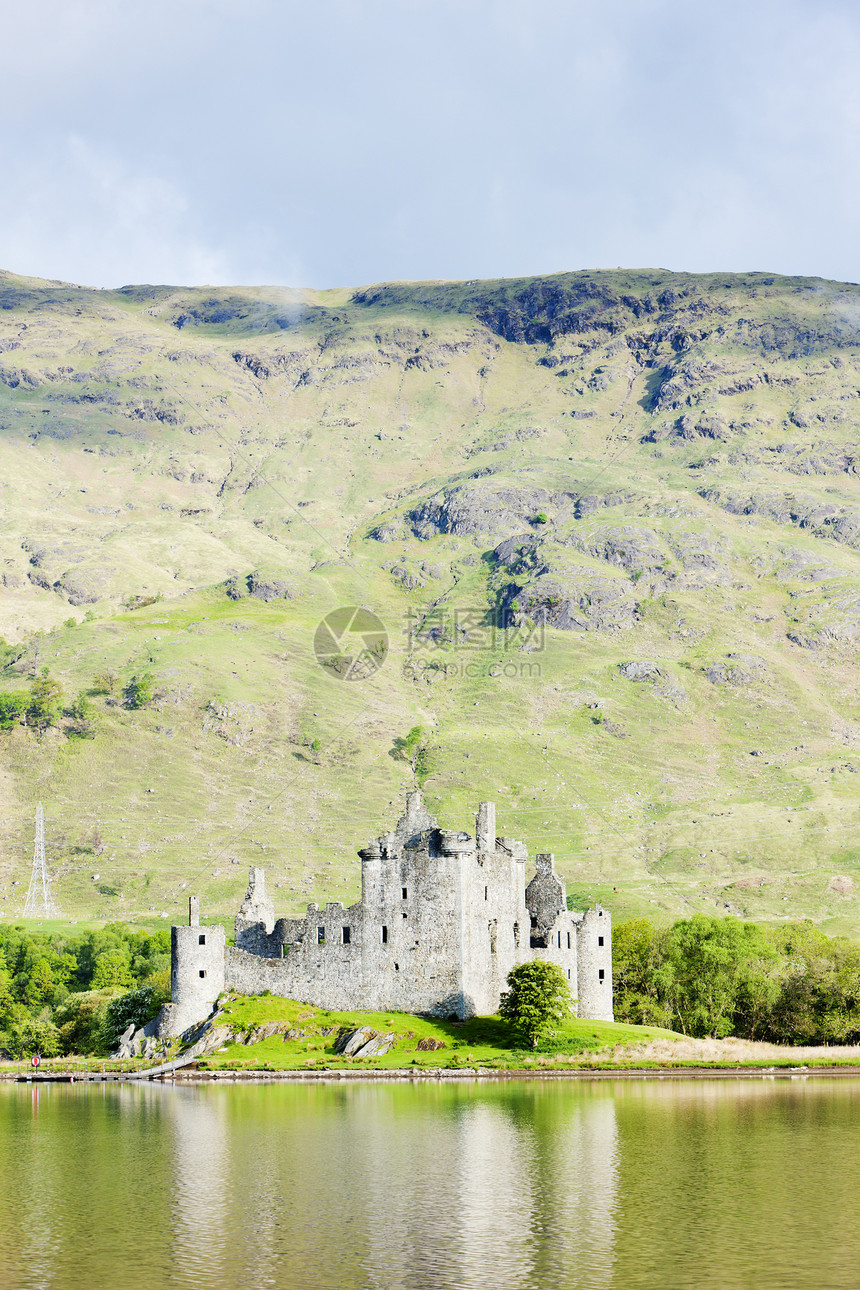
610 522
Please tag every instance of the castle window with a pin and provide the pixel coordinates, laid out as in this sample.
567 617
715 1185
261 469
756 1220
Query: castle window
568 974
201 940
516 934
202 973
404 892
405 915
600 974
396 967
600 913
568 940
559 940
384 935
320 936
486 895
346 936
600 940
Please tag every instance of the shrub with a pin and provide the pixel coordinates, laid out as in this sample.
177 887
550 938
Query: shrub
137 1007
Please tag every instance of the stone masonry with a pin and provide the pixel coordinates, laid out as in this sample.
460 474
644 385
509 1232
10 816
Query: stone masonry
443 917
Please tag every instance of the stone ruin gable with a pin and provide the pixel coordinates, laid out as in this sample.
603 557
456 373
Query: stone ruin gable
546 898
594 964
553 929
255 920
580 944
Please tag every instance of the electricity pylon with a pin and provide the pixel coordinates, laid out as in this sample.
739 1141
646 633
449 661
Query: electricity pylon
39 899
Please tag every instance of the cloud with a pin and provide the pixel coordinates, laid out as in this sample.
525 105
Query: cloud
81 213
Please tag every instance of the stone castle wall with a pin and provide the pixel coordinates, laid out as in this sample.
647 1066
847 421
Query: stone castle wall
443 917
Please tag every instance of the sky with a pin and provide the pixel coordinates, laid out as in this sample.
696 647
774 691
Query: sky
326 143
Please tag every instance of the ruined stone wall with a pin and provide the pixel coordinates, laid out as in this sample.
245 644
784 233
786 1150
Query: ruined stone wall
561 948
322 965
594 965
495 922
411 901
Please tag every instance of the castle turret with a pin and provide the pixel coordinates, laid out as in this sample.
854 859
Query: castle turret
196 972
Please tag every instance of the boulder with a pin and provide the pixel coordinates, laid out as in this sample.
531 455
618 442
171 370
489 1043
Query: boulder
349 1042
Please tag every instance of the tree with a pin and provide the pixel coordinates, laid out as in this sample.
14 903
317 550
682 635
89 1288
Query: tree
138 692
137 1008
46 696
537 996
106 682
82 713
112 968
12 706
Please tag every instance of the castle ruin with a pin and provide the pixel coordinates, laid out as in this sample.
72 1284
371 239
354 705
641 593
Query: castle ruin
443 917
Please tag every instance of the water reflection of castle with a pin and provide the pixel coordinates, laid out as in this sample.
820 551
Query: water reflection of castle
384 1186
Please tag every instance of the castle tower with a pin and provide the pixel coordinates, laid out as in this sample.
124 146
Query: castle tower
196 971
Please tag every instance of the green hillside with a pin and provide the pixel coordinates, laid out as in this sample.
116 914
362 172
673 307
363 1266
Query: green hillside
610 522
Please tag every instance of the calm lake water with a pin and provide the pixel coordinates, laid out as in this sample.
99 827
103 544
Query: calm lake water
377 1186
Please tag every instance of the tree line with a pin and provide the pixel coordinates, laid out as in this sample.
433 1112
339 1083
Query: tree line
76 994
704 976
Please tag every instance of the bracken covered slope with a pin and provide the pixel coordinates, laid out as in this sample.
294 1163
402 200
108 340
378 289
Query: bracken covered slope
609 520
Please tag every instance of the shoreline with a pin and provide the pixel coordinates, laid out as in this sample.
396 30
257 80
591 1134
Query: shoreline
407 1075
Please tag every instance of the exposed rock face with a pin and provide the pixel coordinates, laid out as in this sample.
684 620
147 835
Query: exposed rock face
485 510
644 670
573 602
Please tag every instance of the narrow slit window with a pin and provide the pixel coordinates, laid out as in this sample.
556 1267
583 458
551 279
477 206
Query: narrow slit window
320 936
202 973
201 940
384 935
568 940
486 893
600 940
568 974
559 940
404 892
600 974
600 913
346 936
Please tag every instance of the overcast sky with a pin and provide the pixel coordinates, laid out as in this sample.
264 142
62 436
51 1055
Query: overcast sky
339 142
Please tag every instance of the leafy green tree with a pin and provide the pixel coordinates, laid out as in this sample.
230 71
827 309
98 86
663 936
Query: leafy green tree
34 1035
80 1020
106 682
537 998
112 968
642 979
46 697
137 1007
82 713
13 704
138 693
